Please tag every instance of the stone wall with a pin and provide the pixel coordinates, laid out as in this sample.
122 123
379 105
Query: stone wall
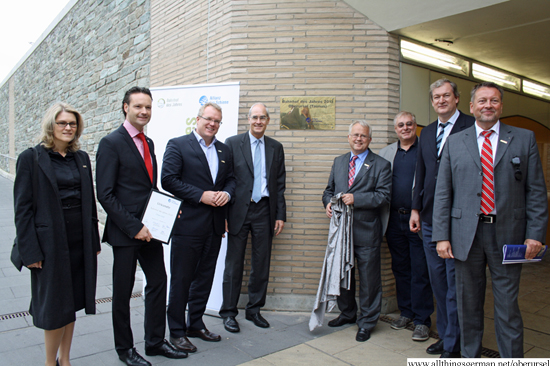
285 48
96 51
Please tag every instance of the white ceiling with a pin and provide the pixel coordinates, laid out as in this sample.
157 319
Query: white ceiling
513 35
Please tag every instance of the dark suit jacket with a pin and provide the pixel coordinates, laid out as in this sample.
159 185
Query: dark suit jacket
123 186
43 237
371 192
521 205
186 174
427 166
243 169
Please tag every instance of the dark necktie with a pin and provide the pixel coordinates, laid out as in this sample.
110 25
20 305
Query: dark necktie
351 174
146 156
440 135
487 189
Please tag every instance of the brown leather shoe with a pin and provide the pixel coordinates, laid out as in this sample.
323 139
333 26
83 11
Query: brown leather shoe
204 334
183 344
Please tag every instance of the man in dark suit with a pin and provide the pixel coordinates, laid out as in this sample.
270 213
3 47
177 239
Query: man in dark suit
444 97
198 169
126 171
257 207
490 192
408 260
365 178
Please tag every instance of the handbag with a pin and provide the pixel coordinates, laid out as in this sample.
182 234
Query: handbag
15 256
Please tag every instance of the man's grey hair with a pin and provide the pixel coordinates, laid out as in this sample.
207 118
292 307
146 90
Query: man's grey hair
255 104
362 123
403 113
486 84
440 83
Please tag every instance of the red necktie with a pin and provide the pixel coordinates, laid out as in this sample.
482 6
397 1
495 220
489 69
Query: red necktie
146 156
487 189
351 174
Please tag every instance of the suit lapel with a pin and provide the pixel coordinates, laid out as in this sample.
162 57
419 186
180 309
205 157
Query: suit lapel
269 152
84 171
504 139
431 139
199 153
221 159
367 165
470 140
132 146
247 152
45 165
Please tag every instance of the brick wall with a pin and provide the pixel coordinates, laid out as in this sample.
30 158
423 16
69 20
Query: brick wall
97 51
283 48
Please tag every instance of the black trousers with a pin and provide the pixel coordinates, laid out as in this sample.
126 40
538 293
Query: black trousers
370 288
151 260
257 223
192 266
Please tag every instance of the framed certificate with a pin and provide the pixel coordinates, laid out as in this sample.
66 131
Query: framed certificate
160 215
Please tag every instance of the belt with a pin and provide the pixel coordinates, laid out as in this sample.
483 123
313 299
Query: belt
263 198
487 219
403 211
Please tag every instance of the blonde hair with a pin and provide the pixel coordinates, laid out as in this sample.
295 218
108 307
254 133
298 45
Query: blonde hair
48 124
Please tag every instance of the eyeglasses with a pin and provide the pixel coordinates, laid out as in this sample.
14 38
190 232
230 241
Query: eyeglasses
63 125
408 124
261 118
357 136
218 122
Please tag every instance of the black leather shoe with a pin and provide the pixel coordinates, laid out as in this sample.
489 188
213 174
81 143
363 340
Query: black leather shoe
165 349
258 320
436 348
447 354
204 334
362 335
132 358
183 344
231 325
340 320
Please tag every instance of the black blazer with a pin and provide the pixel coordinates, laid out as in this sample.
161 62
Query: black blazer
243 168
123 186
186 174
43 237
427 166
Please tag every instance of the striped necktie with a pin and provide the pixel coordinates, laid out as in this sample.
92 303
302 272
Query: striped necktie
487 189
440 136
351 174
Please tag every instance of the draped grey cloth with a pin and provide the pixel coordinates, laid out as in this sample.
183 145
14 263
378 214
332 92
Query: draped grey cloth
339 261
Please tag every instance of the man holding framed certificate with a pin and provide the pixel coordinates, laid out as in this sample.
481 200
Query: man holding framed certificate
126 171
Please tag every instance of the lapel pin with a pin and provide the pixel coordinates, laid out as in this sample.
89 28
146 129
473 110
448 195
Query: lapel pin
223 161
367 165
219 151
504 142
84 166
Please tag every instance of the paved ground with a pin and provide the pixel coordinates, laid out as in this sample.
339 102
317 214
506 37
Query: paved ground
287 342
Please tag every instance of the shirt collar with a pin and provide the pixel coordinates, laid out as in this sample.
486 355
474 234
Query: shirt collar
495 129
253 138
131 129
361 156
201 140
413 145
451 120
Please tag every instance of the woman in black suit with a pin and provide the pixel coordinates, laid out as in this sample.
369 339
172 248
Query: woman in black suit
57 233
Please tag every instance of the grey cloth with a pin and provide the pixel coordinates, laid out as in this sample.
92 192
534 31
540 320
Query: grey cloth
339 260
